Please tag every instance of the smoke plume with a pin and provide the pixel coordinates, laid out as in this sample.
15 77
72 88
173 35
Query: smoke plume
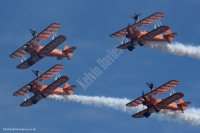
175 48
191 115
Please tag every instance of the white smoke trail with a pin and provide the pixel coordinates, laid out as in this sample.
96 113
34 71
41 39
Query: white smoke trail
176 48
191 115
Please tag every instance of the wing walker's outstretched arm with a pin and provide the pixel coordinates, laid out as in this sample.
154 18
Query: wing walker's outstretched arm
33 32
136 17
36 72
151 85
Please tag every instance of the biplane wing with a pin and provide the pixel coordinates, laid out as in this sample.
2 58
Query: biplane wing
167 86
29 101
169 100
141 113
52 45
46 33
48 74
44 51
154 32
146 21
55 84
30 61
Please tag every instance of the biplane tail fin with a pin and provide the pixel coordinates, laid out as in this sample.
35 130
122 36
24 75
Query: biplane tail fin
169 35
69 89
183 105
69 50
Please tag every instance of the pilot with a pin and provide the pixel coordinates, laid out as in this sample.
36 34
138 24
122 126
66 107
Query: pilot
136 17
37 72
33 32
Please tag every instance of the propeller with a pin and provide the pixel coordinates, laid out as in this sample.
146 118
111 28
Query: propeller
128 30
144 102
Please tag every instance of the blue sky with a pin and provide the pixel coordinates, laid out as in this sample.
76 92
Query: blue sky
87 25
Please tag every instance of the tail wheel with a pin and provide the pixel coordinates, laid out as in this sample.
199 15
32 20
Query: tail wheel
141 42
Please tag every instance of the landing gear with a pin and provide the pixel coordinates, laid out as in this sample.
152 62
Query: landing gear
141 42
130 48
38 54
43 95
146 114
34 101
30 62
155 108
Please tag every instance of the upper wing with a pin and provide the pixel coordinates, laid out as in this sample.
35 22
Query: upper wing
55 84
29 101
148 20
169 85
41 36
141 113
154 32
162 89
52 45
48 74
169 100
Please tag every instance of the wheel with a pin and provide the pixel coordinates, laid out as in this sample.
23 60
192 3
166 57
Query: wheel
130 48
39 55
34 101
141 42
30 62
143 102
43 95
155 108
146 114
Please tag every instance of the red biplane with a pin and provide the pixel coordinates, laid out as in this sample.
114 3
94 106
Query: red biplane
132 35
37 52
41 91
155 105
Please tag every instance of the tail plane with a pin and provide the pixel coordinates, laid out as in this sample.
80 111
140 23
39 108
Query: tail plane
183 105
169 35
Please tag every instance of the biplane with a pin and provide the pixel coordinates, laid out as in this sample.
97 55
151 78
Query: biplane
155 105
42 91
37 52
132 35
